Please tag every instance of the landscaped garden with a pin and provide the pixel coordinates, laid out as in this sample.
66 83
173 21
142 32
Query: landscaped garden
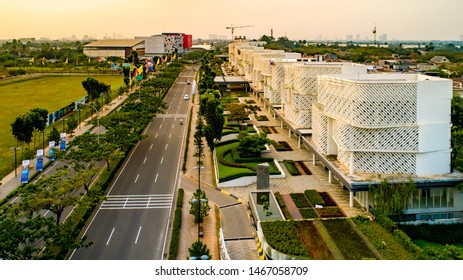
231 165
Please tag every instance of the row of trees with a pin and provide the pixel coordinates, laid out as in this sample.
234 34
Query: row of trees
24 234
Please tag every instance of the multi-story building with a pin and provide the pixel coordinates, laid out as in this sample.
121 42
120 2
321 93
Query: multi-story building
166 43
364 128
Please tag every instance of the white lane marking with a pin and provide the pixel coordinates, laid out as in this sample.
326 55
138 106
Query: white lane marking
160 125
137 178
110 236
144 160
155 136
170 135
138 234
162 159
156 179
151 146
166 146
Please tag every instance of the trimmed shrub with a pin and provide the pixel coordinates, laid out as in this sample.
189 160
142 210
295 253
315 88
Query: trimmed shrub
290 165
330 212
300 200
308 213
314 197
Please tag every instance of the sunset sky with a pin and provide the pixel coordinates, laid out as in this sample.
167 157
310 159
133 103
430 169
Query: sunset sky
296 19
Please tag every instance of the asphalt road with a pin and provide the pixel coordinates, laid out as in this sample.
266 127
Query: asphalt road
132 223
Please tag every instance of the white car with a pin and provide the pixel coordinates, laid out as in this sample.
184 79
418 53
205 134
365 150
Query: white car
186 97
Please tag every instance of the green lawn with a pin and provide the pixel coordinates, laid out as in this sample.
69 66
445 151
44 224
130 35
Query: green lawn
49 92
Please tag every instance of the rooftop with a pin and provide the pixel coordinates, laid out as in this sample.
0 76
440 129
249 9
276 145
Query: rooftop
115 43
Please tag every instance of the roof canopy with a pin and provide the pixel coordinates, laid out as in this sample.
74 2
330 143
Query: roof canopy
115 43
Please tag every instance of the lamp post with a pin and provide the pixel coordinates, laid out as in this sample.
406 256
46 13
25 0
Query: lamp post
15 171
63 124
97 119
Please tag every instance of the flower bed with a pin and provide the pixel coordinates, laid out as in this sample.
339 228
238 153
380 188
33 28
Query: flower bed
308 213
300 200
314 197
327 199
290 165
303 167
282 146
329 212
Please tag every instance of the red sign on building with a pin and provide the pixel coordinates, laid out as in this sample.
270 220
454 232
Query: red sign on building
187 41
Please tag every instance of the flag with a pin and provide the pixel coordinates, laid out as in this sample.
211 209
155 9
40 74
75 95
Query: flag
165 59
175 55
66 62
77 61
140 70
159 60
171 57
89 60
32 60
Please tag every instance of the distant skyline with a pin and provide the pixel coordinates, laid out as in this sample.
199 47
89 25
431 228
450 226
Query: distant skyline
295 19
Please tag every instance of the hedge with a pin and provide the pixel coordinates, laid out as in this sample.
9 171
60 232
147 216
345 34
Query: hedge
290 165
173 248
314 197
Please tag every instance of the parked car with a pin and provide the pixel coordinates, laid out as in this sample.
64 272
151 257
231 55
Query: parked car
186 97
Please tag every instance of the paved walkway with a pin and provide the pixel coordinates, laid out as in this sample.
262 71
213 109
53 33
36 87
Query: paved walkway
291 207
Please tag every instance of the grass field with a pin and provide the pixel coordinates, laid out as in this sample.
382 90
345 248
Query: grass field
49 92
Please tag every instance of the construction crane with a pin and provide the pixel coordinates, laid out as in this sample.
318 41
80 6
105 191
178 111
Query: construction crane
233 29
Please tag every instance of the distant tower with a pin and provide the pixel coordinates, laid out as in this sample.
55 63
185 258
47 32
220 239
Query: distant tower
374 35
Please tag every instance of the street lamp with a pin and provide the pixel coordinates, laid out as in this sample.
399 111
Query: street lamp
15 171
63 124
97 119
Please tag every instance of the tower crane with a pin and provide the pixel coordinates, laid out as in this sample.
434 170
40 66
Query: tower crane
233 29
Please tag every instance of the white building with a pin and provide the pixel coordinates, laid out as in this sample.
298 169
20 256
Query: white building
363 127
385 123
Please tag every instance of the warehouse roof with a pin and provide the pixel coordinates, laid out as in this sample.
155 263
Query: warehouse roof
115 43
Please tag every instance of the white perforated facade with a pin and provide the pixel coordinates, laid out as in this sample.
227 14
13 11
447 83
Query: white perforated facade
373 123
387 123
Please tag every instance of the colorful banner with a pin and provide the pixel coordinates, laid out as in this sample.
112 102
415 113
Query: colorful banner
25 176
39 163
62 142
25 171
51 151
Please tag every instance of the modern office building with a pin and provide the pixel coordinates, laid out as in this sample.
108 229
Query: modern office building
363 128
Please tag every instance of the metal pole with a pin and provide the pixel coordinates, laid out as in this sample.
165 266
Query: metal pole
15 171
199 182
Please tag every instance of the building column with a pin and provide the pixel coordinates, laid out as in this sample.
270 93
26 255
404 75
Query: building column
351 169
299 141
282 125
313 160
329 176
289 133
351 198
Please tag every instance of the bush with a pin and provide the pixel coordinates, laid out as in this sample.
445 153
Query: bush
290 165
314 197
308 213
283 236
300 200
173 247
330 212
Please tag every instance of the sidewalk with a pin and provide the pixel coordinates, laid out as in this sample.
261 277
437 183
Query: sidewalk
9 183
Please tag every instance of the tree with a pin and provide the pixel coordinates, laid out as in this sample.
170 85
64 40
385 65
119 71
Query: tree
200 202
237 112
198 250
250 146
22 129
22 238
38 118
212 111
72 124
94 88
54 193
54 135
391 199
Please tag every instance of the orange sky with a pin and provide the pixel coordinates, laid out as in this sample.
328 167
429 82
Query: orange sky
297 19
